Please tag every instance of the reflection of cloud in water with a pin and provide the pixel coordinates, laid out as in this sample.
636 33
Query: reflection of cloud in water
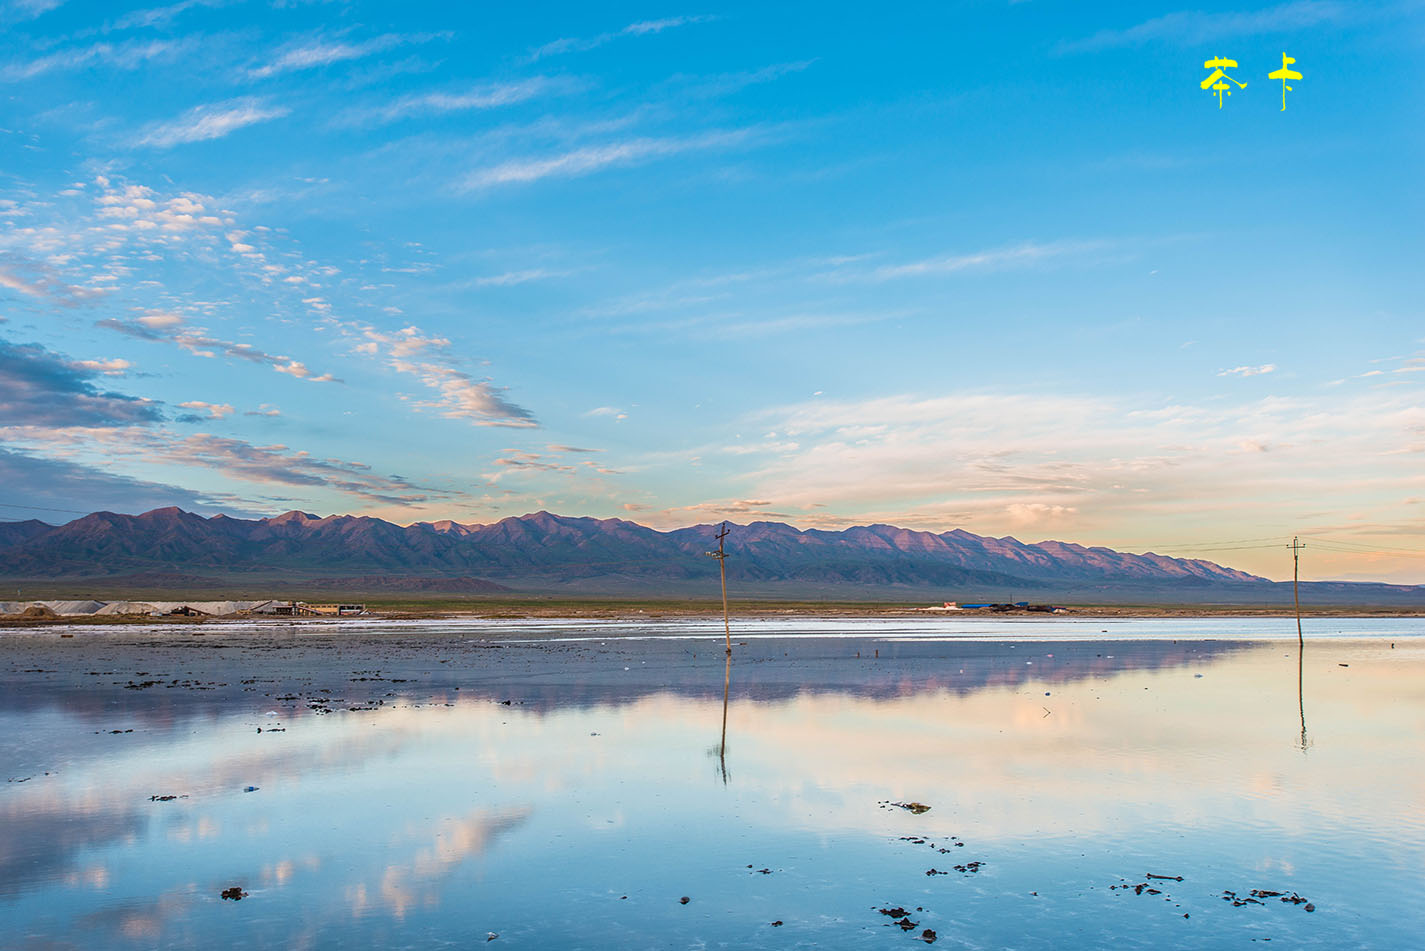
104 797
1130 746
51 820
418 881
141 920
41 840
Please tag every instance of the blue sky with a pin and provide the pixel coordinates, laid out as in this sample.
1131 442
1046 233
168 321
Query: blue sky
998 266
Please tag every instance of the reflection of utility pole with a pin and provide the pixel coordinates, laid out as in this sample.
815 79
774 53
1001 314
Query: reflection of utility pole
722 746
721 557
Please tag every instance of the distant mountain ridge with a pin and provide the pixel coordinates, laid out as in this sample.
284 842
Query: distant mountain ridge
546 552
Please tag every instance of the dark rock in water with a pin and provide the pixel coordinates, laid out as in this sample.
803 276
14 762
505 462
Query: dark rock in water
896 912
234 893
928 936
684 900
1310 906
908 925
935 871
776 924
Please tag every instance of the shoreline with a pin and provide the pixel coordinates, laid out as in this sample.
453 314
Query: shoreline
655 611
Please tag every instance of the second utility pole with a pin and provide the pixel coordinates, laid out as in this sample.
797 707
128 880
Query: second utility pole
721 557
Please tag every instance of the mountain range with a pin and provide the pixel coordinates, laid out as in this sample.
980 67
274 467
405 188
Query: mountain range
546 553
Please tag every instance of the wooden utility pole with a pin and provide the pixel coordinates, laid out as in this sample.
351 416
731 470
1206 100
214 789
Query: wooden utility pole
721 557
1296 547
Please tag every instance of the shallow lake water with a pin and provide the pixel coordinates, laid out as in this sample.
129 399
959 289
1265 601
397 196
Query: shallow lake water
567 784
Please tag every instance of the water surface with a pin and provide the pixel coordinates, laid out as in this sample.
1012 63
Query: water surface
426 785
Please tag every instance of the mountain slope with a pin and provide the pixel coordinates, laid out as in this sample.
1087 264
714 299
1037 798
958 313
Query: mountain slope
547 552
13 533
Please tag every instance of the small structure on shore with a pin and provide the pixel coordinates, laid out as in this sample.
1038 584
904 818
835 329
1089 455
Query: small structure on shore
180 608
999 607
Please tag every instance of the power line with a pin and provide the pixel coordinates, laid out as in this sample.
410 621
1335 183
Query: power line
1365 547
40 508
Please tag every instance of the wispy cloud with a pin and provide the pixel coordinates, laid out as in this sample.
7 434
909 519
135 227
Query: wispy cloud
133 54
66 485
641 28
483 96
511 278
274 464
173 328
162 16
593 158
728 83
1101 467
1020 255
16 10
26 276
314 54
212 121
460 395
1195 27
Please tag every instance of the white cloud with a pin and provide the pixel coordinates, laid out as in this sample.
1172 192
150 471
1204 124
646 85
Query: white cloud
111 367
212 121
213 410
1249 371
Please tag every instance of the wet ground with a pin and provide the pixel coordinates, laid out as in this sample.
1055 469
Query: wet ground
1160 783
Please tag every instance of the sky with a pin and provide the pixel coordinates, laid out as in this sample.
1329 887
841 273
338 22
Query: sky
999 266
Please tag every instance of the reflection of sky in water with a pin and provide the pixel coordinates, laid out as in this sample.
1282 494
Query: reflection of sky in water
429 822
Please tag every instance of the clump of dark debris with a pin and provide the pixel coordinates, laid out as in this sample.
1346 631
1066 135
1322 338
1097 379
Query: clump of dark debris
1260 896
901 919
915 807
